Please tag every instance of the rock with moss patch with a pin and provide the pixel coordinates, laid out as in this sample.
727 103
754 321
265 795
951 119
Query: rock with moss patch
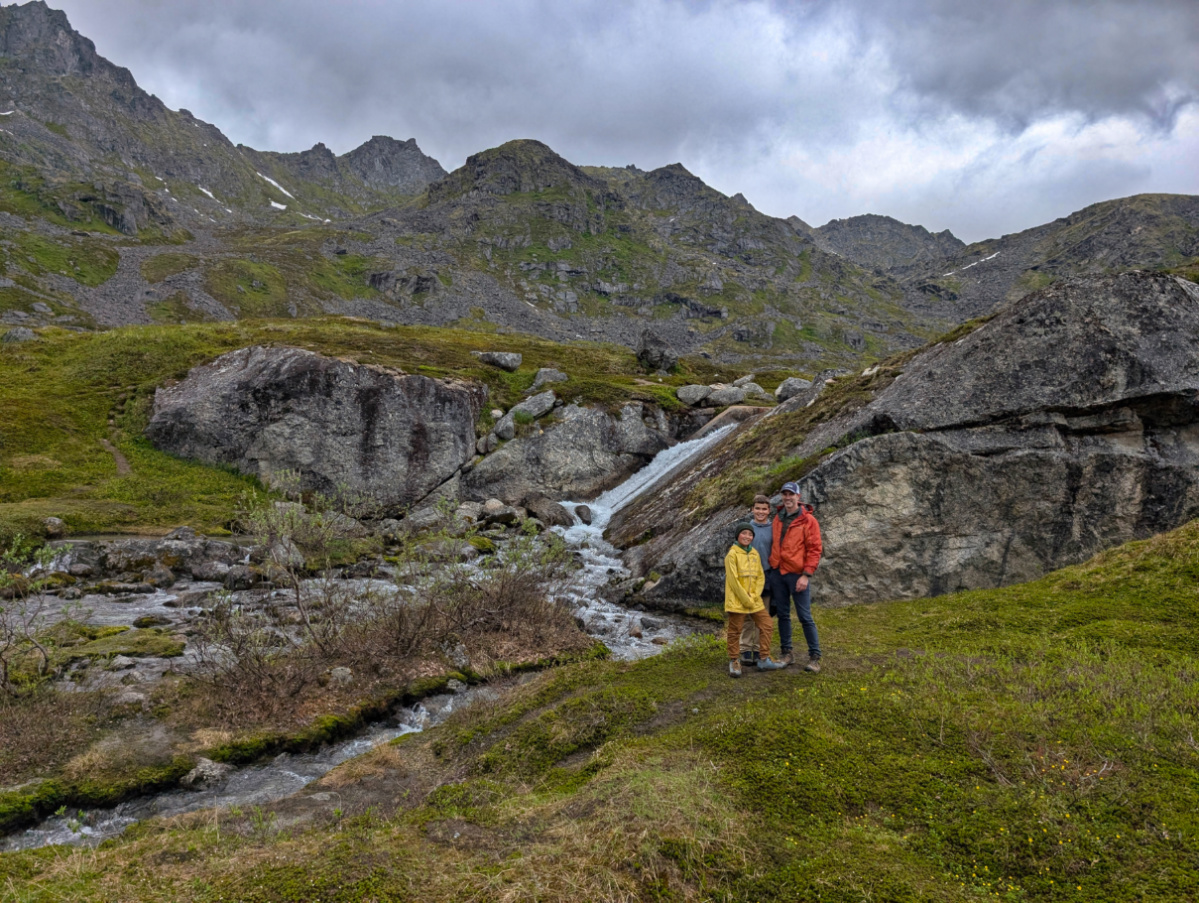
526 411
18 334
205 774
547 375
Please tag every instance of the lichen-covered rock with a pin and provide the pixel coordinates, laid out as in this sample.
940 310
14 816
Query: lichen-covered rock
343 427
547 375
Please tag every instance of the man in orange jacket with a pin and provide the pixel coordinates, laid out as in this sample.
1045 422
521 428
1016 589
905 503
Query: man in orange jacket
794 556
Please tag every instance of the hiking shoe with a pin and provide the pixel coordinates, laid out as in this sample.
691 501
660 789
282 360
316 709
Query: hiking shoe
813 665
734 668
787 658
768 664
748 658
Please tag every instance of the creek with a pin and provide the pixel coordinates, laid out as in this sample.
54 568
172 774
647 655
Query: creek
628 634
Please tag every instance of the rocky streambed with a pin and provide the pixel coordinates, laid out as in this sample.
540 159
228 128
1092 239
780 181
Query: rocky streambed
176 609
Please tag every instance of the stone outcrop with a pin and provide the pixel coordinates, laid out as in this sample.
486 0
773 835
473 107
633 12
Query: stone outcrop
505 360
1067 424
578 456
343 427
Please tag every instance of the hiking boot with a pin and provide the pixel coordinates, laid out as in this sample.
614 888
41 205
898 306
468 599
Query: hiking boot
748 658
768 664
787 658
734 668
813 665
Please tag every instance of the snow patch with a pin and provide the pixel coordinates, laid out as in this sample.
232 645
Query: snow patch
9 113
276 184
278 206
967 266
206 191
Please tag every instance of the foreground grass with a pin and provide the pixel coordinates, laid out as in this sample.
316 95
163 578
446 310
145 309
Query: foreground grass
1031 743
64 395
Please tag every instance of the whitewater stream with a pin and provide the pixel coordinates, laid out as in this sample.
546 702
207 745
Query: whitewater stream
628 634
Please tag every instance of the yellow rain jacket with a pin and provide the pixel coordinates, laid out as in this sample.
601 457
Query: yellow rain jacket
743 580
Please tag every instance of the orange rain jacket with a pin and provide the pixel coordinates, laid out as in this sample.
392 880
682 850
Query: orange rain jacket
799 551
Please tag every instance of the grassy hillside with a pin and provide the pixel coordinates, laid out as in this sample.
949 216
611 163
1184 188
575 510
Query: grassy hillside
1030 743
65 395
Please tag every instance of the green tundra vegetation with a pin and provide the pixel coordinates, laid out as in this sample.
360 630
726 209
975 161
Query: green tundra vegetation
1036 742
66 394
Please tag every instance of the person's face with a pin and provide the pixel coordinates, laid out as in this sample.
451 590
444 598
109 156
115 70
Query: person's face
762 512
790 502
745 537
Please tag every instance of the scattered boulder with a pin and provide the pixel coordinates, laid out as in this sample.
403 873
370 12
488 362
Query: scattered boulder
692 395
343 427
744 380
790 387
18 334
505 360
210 571
655 353
583 513
535 407
547 375
54 527
725 395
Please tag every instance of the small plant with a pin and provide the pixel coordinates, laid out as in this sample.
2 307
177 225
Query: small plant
23 576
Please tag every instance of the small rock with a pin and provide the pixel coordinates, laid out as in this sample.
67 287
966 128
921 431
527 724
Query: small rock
182 534
659 641
505 360
130 696
470 511
744 380
547 375
635 632
692 395
286 553
210 571
790 387
753 389
150 621
160 576
54 527
81 570
242 577
650 623
455 686
583 513
457 656
340 677
549 512
496 413
121 663
493 506
18 334
206 772
42 307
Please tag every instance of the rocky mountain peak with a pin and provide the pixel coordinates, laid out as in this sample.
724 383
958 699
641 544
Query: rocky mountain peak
41 40
521 166
884 242
387 164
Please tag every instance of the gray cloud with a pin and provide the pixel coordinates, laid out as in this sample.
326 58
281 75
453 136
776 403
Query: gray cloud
921 109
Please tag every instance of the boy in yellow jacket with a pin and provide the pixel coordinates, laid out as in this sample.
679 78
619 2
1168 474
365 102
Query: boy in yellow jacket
743 583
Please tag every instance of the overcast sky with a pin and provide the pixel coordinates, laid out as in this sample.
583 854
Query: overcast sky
980 117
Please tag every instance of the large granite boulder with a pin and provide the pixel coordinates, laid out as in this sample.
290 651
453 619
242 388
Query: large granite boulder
343 427
582 453
1067 424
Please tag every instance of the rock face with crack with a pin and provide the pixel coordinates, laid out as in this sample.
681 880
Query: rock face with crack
1067 424
342 427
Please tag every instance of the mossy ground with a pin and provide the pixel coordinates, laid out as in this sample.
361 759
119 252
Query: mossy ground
58 395
1030 743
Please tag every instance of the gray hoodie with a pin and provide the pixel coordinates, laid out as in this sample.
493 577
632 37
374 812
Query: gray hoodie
763 539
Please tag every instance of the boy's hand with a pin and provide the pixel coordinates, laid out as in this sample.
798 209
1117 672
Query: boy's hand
802 583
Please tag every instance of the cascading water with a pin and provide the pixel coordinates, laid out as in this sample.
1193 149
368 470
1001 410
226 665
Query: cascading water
628 634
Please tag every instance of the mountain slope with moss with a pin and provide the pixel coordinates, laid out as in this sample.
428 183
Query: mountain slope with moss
1029 743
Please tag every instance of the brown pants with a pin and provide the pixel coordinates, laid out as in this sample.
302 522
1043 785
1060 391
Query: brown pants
765 629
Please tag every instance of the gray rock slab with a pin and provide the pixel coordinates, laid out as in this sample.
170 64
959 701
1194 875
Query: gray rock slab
692 395
505 360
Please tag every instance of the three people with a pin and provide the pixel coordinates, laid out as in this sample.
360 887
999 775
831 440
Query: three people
779 556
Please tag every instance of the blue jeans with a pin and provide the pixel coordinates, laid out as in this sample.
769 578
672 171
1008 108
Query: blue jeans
783 592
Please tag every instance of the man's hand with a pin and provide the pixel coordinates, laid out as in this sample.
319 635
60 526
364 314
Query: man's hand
801 584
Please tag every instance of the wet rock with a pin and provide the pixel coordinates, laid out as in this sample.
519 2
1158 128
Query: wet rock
54 527
548 512
342 427
583 512
650 623
692 395
635 631
122 589
790 387
160 576
660 641
505 360
210 571
242 577
205 774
